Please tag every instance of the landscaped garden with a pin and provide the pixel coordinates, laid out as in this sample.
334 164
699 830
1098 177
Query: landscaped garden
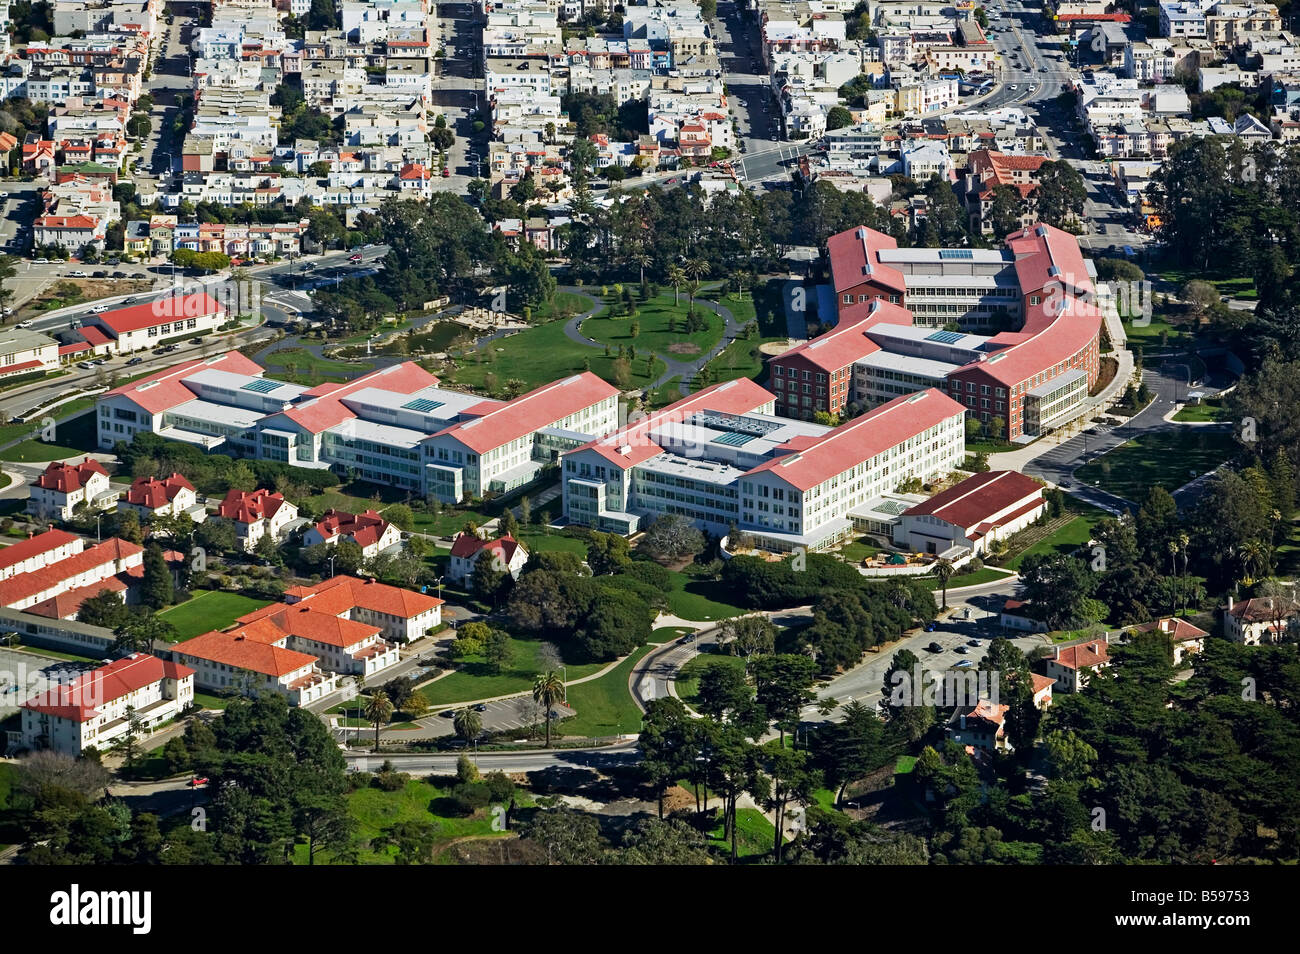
476 679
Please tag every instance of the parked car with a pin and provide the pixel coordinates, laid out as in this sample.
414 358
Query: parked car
934 647
448 713
78 274
481 707
197 781
134 361
446 173
962 650
196 340
100 274
355 259
119 274
931 626
99 309
85 365
972 642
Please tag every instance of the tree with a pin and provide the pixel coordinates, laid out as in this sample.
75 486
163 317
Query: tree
489 576
671 537
748 636
156 587
1007 210
851 749
722 690
413 840
548 689
1059 588
943 571
838 117
1060 194
792 781
467 724
677 278
103 609
496 650
570 837
661 742
607 553
783 686
378 711
138 631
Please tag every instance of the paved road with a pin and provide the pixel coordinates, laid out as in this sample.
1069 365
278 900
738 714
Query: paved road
596 758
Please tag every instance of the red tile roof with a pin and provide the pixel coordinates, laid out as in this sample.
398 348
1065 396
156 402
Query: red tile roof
365 528
80 222
93 335
847 342
1264 609
244 507
154 493
250 648
307 621
66 605
24 550
541 407
340 594
65 478
1084 655
22 586
84 697
978 498
165 389
1180 629
468 546
163 310
863 438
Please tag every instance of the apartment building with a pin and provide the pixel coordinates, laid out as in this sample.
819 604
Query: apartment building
256 514
61 488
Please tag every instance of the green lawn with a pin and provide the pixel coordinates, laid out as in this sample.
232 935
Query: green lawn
1157 331
564 305
699 600
475 681
740 359
1200 413
666 634
858 550
1067 539
604 706
754 834
539 542
301 366
376 811
59 654
211 702
653 335
1166 459
667 393
72 436
1287 553
688 679
983 575
542 354
208 611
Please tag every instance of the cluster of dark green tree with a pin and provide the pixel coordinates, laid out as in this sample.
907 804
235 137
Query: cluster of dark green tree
1141 768
1232 210
277 784
1158 561
149 455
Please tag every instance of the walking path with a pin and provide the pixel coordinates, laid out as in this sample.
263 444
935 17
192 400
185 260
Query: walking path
676 368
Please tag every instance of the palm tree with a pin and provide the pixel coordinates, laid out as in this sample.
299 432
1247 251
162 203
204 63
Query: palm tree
1254 559
467 724
548 689
378 711
943 572
676 278
696 269
642 258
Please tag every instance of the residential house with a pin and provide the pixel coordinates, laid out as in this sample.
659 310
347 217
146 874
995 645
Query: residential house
61 488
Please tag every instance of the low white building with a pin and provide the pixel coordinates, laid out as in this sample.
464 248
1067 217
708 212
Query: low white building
27 352
1264 619
160 496
972 514
371 532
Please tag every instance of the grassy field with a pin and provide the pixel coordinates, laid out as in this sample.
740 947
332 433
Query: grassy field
564 305
688 679
542 354
754 834
653 335
1166 459
667 393
540 542
984 575
475 681
1287 553
604 706
301 366
740 359
208 611
699 600
1156 332
1067 539
72 436
1201 413
858 550
377 811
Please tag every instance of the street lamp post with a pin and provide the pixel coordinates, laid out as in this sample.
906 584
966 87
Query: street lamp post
332 556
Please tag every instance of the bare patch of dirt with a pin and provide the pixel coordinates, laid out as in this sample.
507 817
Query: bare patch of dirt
684 347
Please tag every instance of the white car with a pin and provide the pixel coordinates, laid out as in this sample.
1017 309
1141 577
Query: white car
99 309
